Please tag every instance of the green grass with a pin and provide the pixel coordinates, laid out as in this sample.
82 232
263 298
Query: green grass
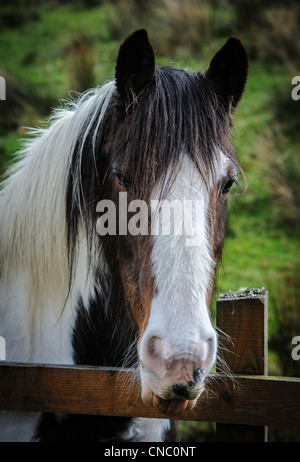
35 54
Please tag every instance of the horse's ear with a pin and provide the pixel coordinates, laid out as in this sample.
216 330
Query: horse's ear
135 67
228 71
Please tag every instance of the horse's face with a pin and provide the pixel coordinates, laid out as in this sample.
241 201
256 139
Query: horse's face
168 272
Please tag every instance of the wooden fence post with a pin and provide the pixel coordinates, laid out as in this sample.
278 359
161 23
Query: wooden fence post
245 320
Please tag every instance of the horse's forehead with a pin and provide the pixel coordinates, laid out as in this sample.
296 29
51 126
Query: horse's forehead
189 172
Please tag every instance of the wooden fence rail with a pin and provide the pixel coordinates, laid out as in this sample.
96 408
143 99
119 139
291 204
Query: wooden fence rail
250 399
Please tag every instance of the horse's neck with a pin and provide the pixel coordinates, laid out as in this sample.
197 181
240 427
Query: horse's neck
104 334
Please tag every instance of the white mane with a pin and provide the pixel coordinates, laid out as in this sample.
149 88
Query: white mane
34 278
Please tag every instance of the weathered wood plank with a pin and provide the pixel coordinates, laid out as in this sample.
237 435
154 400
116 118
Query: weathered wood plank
245 320
250 400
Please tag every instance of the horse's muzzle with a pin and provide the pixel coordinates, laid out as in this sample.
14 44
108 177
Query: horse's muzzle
172 383
176 400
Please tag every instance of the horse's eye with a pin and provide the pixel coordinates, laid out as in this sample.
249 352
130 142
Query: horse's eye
121 179
226 185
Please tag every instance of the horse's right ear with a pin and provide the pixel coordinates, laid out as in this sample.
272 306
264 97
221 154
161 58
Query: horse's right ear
135 67
228 71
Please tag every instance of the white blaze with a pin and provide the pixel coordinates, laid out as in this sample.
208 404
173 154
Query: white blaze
179 316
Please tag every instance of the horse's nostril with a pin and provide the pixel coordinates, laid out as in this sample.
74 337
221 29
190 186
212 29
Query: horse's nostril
151 346
198 375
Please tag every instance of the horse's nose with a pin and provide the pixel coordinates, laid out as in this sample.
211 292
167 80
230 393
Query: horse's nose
183 379
179 365
184 390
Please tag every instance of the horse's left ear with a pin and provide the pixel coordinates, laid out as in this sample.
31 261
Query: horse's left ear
135 67
228 71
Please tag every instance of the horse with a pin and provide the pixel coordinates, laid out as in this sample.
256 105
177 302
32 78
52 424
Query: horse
74 290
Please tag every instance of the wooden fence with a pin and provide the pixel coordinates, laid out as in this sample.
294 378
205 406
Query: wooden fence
243 408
